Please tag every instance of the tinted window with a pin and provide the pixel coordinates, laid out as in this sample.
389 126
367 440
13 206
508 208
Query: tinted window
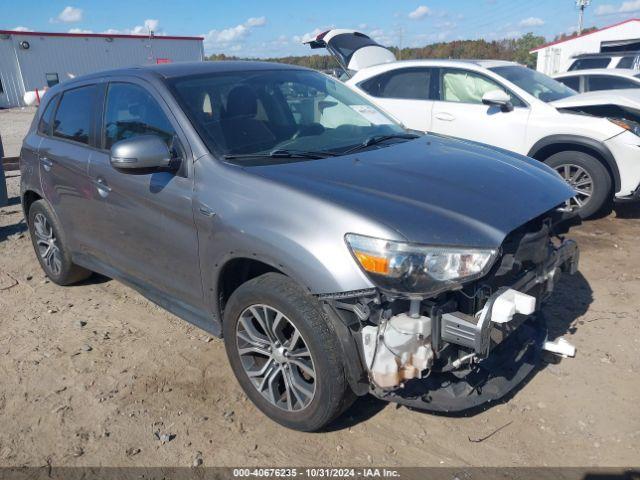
464 86
534 83
406 83
626 62
571 82
262 111
585 63
73 117
605 82
131 111
348 43
52 79
44 127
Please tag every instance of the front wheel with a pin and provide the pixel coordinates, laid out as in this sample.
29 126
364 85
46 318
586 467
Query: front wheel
588 177
283 353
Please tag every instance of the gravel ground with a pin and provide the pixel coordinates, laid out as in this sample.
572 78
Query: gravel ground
93 374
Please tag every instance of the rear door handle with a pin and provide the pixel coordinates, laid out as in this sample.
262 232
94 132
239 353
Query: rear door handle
46 163
103 188
445 116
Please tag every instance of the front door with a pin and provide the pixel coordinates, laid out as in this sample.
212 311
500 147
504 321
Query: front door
459 112
150 236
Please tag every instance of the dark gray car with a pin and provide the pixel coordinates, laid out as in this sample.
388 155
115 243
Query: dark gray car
335 252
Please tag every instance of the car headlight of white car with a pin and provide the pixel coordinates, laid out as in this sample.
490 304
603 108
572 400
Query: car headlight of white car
630 125
424 270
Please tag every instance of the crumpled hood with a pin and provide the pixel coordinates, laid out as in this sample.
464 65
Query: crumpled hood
432 190
625 98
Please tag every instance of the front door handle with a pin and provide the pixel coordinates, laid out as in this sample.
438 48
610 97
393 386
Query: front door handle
445 116
103 188
46 163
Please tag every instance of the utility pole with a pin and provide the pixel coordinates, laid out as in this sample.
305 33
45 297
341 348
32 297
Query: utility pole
581 4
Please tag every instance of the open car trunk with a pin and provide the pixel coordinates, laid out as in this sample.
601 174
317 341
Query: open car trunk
352 50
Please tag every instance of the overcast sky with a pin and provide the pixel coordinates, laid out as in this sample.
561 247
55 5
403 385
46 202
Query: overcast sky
261 28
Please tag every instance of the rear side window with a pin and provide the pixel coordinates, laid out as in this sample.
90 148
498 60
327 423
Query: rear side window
571 82
73 117
605 82
626 62
131 111
585 63
409 83
44 127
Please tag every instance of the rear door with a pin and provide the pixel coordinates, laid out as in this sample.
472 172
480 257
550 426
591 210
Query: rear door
405 93
459 111
67 145
148 233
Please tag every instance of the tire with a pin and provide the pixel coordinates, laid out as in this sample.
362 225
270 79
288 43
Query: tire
55 259
295 408
569 164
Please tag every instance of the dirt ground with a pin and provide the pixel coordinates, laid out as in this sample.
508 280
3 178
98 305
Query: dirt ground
97 393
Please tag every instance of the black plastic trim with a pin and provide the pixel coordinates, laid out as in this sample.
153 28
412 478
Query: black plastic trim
585 142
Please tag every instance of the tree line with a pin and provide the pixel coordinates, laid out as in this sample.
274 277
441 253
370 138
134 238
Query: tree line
513 49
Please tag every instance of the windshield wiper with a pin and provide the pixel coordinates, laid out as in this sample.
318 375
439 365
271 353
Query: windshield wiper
375 139
280 153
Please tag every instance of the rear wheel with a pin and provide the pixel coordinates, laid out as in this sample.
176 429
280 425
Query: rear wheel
587 176
285 356
48 242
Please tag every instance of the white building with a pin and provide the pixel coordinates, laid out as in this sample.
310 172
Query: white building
33 60
556 57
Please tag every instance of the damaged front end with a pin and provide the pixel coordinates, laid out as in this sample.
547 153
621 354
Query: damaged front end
471 342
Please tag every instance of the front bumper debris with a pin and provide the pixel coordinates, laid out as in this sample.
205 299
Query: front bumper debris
508 365
634 197
494 355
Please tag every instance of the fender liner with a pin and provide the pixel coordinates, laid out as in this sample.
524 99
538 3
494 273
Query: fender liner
585 142
354 367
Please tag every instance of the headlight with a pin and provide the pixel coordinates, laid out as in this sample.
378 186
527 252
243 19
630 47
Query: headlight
633 127
418 269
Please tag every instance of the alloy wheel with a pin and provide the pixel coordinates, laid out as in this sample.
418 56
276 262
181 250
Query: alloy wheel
47 243
580 180
276 357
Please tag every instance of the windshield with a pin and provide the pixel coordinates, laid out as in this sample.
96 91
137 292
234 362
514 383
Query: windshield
243 113
535 83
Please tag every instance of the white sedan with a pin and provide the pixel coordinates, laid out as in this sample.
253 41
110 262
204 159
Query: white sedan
592 140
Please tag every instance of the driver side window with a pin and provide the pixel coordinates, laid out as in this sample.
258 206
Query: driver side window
131 111
463 86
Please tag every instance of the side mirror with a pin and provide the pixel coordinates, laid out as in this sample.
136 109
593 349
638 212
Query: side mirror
139 153
498 98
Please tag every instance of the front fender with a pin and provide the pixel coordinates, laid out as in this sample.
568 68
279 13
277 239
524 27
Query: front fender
294 232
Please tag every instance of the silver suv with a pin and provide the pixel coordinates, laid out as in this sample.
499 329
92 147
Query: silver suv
337 253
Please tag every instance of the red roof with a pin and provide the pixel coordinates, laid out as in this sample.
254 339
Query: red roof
584 34
94 35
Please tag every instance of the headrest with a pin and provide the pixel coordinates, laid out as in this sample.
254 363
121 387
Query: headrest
241 101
